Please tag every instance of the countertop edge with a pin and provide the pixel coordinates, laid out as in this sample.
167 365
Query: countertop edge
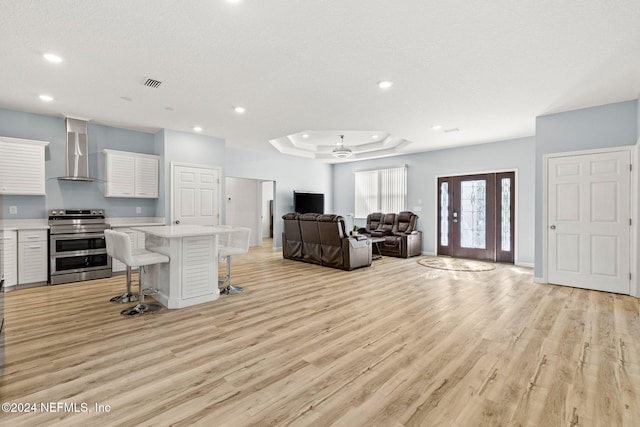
23 224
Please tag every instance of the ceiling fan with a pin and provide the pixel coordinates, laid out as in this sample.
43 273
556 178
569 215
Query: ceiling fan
341 152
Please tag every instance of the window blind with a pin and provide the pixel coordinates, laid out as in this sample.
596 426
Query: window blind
380 190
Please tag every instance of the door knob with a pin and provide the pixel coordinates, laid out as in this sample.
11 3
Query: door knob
553 227
177 221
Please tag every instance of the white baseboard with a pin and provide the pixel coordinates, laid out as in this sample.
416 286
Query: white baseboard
524 264
429 253
539 280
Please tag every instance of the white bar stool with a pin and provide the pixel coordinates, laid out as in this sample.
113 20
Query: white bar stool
120 246
235 243
128 296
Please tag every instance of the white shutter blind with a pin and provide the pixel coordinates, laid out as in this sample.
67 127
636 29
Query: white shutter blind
381 190
366 193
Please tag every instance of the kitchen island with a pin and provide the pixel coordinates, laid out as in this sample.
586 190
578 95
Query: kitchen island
191 275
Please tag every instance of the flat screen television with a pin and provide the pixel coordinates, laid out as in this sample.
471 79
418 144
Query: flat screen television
308 202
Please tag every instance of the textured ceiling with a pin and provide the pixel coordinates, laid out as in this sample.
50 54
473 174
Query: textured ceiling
487 68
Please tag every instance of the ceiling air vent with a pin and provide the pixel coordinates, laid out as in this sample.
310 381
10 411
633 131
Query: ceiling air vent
153 83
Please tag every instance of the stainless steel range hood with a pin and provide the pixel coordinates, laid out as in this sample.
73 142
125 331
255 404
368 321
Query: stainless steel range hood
77 154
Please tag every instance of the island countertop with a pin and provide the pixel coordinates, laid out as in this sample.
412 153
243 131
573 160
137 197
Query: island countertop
182 230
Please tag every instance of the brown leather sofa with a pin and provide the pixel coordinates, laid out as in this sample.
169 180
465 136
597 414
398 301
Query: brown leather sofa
401 237
322 240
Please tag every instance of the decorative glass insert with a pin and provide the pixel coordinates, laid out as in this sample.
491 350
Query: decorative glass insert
444 213
505 215
473 214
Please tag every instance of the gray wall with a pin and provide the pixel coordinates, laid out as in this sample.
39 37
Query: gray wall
188 148
423 170
289 173
612 125
73 194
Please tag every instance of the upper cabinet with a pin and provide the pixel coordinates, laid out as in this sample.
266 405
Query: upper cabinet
22 166
131 174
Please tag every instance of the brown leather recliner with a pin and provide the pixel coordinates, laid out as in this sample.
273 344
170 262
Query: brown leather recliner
311 248
373 221
324 241
404 240
385 228
292 245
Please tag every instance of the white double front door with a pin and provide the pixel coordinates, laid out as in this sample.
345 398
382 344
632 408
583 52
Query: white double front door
589 221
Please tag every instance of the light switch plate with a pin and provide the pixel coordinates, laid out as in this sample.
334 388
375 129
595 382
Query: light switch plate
13 210
138 210
417 208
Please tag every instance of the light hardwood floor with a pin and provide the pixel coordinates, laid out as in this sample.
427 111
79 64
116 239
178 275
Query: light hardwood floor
396 344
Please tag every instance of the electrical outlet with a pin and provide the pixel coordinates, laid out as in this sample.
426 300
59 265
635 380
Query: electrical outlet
138 210
13 210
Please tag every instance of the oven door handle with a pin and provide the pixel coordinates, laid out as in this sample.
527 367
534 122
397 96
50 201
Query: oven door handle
77 236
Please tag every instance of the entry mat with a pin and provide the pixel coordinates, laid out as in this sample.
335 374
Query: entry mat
456 264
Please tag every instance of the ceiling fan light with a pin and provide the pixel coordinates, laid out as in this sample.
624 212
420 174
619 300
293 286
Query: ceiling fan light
341 153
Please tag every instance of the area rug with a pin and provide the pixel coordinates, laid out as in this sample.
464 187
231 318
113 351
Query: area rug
456 264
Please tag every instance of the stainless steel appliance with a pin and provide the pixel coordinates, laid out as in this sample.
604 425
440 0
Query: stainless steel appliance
77 249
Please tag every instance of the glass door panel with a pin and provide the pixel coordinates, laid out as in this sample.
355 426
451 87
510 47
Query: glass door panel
473 214
505 209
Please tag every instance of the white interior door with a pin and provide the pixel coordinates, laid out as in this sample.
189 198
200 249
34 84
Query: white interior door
195 195
589 213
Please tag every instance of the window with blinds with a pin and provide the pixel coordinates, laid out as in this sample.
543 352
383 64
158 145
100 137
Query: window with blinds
380 190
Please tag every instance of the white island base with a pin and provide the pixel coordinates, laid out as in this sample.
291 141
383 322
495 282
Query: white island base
191 275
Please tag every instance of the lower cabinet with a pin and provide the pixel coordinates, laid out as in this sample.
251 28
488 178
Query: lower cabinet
9 257
32 256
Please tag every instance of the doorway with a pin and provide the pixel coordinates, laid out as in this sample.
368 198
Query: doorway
249 204
476 216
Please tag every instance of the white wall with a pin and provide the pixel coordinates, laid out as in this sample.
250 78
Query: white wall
242 204
187 148
289 173
612 125
423 170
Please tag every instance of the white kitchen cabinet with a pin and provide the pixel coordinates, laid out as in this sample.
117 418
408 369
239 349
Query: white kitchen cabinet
32 256
22 166
9 257
131 174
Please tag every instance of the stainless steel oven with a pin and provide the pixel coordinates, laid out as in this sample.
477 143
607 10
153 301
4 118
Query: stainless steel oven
77 249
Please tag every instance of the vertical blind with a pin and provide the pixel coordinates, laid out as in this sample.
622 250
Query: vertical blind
380 190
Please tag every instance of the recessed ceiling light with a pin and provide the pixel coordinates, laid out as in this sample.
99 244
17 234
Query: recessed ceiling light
197 128
436 127
239 110
305 135
52 58
46 98
385 84
374 136
234 1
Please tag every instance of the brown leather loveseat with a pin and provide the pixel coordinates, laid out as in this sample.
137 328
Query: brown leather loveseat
401 237
321 239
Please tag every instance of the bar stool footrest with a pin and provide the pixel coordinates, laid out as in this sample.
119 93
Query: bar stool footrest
124 298
140 310
230 290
